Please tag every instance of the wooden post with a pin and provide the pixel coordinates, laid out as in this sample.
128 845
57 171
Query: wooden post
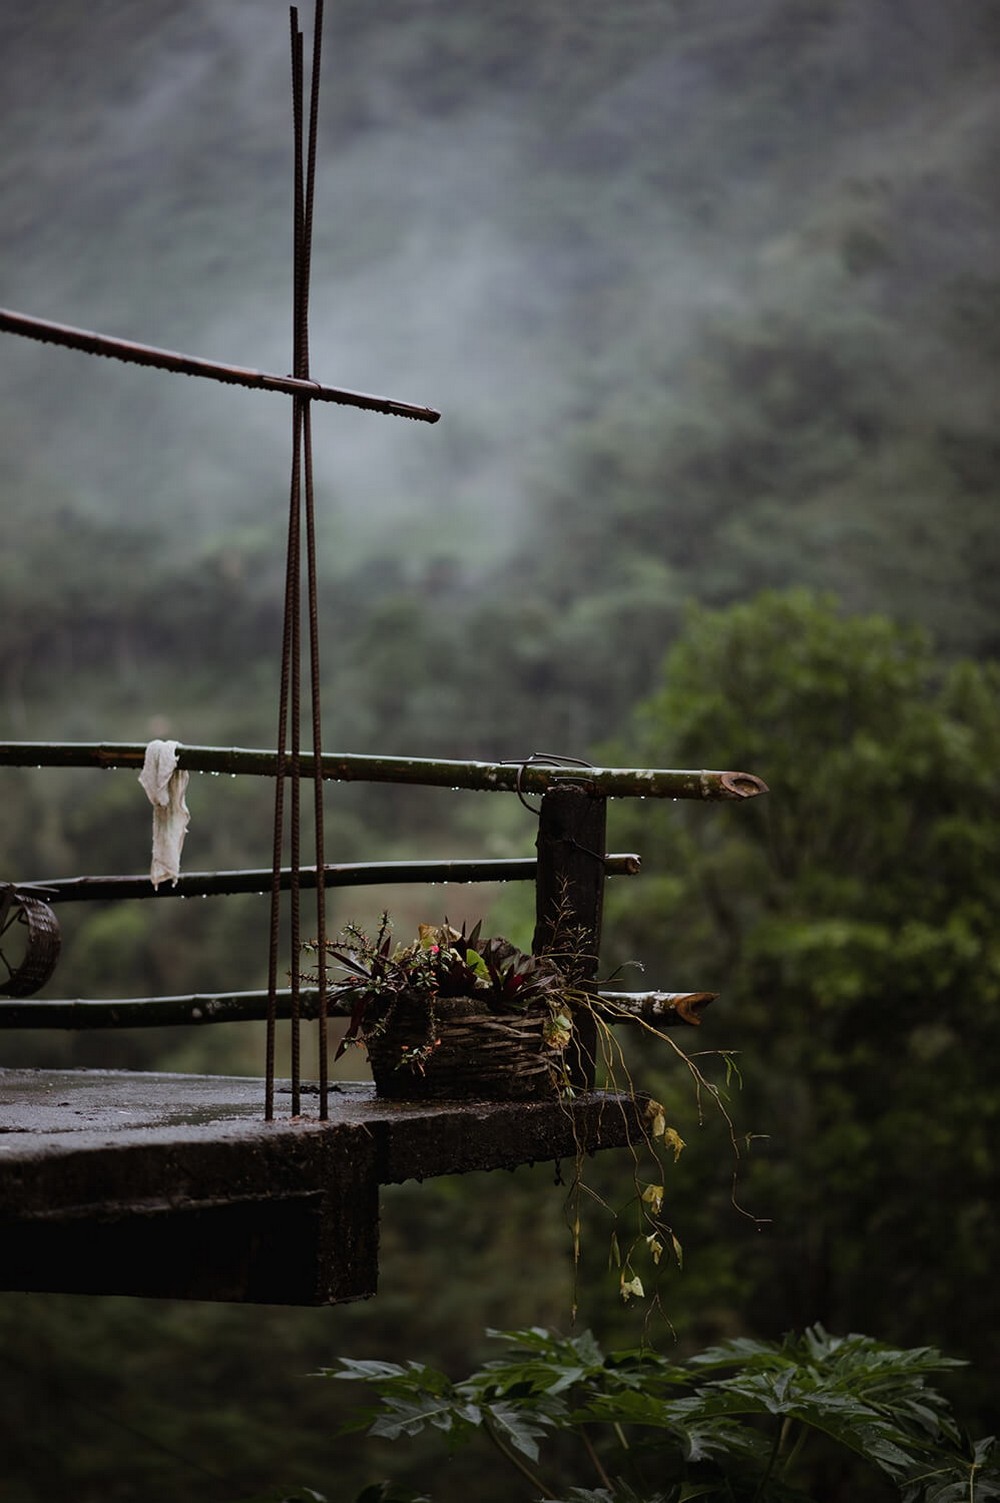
569 900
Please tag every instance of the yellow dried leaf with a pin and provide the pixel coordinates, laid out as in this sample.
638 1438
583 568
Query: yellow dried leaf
656 1117
631 1286
674 1140
653 1197
655 1246
558 1030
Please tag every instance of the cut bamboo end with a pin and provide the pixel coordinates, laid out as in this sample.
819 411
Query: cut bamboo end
665 1008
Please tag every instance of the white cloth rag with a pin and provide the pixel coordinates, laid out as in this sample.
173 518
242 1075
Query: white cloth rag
165 786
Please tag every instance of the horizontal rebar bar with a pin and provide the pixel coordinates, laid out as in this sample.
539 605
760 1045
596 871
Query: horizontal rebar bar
343 874
664 1009
512 777
192 365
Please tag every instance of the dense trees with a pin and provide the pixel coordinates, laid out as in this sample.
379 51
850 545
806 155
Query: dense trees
849 921
744 1422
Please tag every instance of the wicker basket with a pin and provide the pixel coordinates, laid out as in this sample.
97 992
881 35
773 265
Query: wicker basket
476 1054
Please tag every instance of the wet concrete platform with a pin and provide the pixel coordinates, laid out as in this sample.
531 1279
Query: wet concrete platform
150 1184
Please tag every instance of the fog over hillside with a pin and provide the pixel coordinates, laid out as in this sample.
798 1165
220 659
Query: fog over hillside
706 295
514 223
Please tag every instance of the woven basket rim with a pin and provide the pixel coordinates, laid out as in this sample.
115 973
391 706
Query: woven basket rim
491 1054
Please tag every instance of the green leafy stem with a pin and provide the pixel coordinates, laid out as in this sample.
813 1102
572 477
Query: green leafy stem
732 1423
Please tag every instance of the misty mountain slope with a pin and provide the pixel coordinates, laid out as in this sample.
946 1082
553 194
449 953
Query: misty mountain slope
706 296
832 419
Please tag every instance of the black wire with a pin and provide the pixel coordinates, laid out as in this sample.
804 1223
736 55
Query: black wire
540 759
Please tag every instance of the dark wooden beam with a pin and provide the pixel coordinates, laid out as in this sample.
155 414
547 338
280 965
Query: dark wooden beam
569 901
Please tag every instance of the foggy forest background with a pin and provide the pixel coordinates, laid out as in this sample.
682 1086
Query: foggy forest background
708 297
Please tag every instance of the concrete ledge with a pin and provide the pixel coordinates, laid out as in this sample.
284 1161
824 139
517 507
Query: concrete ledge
174 1185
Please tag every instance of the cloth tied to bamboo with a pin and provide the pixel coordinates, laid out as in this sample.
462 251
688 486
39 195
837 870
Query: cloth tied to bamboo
165 785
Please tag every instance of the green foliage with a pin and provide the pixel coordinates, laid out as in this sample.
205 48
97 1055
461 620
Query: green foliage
849 922
387 1492
442 962
735 1422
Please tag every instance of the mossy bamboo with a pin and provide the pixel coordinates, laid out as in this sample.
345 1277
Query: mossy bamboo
345 874
668 1009
525 777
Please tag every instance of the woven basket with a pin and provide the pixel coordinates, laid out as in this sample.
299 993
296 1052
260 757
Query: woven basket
476 1055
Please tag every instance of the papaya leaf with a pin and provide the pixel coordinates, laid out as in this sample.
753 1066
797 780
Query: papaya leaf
517 1428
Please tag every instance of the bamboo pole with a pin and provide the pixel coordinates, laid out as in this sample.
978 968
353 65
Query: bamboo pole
345 874
665 1009
150 1012
511 777
192 365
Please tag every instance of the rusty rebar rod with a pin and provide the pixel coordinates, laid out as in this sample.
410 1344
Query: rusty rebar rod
131 353
496 777
343 874
664 1009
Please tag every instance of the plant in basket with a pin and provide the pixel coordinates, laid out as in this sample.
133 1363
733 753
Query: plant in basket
453 1014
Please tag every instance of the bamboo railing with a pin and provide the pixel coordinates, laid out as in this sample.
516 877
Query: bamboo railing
570 867
529 776
665 1009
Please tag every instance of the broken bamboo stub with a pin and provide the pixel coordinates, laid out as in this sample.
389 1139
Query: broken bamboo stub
662 1009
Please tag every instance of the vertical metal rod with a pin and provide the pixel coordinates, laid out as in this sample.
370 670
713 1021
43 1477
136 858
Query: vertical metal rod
310 187
295 851
290 712
311 565
291 567
317 733
290 647
295 603
298 206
